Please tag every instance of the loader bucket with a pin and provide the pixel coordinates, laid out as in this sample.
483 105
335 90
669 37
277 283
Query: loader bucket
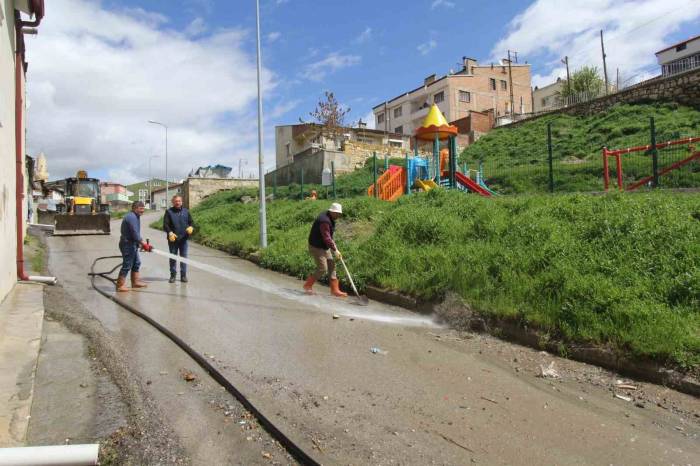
81 224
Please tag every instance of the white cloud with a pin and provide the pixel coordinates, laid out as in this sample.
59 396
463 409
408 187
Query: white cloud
369 119
283 108
333 62
273 36
634 30
196 27
364 36
426 47
441 3
97 76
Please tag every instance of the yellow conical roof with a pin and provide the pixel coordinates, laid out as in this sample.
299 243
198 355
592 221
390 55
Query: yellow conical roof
434 118
435 125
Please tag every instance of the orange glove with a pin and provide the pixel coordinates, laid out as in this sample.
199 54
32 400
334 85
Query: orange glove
172 237
189 230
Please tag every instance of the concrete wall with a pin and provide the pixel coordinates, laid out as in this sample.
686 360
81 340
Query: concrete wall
196 189
8 224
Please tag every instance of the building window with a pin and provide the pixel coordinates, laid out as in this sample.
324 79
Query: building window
439 97
398 112
380 118
289 149
504 85
464 96
681 47
492 84
399 129
143 194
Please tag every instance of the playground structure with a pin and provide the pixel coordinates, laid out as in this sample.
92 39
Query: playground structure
426 173
651 149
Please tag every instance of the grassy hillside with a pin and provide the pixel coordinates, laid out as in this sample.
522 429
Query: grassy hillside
582 137
514 158
622 271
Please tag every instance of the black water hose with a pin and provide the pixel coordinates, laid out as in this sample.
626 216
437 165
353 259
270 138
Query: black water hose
296 451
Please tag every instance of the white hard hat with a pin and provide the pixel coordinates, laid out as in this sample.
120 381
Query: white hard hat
336 207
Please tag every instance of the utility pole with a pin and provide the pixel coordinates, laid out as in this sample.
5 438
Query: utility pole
510 84
261 157
605 65
568 76
617 81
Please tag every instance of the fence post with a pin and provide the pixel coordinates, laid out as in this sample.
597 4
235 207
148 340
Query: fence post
408 177
436 158
333 176
606 169
654 153
549 157
301 195
274 184
386 161
374 172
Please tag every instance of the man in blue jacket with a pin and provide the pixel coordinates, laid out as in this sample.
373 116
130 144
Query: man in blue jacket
177 224
129 243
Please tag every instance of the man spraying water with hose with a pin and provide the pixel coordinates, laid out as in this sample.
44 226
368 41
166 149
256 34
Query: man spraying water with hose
177 224
323 249
129 243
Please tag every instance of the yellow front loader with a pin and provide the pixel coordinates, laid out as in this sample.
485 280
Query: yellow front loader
82 213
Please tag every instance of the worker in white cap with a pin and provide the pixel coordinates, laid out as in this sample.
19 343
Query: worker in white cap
324 251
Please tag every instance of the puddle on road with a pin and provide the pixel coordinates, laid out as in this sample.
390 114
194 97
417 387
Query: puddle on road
324 304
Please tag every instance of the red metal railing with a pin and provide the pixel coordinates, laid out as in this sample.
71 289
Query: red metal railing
618 162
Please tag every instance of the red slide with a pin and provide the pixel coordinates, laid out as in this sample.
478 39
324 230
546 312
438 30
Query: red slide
471 185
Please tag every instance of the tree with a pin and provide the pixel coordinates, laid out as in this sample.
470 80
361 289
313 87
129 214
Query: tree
330 114
587 80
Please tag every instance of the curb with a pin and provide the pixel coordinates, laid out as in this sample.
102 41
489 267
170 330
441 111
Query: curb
517 332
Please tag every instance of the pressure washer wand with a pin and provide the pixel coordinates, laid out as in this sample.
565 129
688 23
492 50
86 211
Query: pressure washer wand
362 299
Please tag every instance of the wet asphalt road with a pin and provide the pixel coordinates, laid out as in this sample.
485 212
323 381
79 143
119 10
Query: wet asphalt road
420 401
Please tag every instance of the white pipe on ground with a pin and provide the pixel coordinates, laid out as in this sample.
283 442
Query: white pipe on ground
59 455
41 279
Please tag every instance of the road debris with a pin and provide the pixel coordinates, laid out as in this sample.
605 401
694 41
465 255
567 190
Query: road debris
188 376
456 443
316 444
489 399
375 350
266 455
336 316
622 397
625 386
548 372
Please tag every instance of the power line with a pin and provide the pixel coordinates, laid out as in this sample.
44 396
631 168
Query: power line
620 35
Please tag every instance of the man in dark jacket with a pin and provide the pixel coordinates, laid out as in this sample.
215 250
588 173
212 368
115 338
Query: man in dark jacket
322 248
177 224
129 243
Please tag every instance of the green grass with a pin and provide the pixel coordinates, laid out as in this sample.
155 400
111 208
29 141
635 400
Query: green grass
515 158
118 214
36 254
621 271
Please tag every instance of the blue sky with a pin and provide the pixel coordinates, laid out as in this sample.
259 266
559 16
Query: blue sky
191 63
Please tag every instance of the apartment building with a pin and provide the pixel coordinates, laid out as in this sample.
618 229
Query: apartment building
475 88
680 57
547 98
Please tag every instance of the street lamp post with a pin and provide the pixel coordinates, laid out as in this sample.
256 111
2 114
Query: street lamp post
261 159
166 157
150 181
